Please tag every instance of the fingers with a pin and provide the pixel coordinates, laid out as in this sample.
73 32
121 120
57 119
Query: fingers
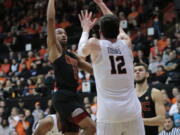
90 15
85 14
80 18
94 20
82 14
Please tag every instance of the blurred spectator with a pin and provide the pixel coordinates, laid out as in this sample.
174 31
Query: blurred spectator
14 66
176 115
141 58
22 125
48 109
161 74
42 51
5 66
154 50
30 119
174 108
37 112
169 128
173 67
4 127
156 61
162 43
175 92
21 105
13 118
157 27
167 101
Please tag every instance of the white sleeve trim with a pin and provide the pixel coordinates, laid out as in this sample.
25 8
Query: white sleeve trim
82 43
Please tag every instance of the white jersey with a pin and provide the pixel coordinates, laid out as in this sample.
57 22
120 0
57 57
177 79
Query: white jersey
113 70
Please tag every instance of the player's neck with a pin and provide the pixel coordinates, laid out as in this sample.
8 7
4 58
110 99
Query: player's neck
142 86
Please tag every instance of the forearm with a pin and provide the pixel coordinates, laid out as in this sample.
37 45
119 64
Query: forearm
51 10
123 34
86 67
104 8
154 121
82 43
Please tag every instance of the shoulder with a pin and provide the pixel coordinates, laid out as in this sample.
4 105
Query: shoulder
93 40
94 44
47 122
156 94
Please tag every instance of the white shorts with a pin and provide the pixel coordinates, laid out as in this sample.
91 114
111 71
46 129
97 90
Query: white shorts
135 127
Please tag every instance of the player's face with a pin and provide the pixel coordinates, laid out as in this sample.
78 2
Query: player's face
140 74
61 36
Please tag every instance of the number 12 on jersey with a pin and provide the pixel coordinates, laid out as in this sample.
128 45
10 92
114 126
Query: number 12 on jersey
117 65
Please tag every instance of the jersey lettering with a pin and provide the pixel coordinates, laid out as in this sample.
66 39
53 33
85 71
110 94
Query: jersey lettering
145 106
117 64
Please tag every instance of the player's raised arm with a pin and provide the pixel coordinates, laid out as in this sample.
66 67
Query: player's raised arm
54 49
122 35
103 7
84 49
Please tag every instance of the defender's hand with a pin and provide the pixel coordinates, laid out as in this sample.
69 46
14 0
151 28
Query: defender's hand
86 21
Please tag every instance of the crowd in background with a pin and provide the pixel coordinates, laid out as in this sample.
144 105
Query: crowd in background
25 71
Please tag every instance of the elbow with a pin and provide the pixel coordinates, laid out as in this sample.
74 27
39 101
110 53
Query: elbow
80 52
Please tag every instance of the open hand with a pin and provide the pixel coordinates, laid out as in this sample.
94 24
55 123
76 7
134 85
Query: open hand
86 20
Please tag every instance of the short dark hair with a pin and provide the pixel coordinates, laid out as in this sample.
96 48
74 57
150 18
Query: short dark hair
169 117
109 26
141 64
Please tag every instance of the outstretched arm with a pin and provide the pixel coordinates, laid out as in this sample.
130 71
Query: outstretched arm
82 64
85 49
122 35
54 49
103 7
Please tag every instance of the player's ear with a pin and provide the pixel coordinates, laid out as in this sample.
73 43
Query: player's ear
147 74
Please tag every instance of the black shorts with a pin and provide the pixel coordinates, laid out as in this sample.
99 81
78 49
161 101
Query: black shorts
65 102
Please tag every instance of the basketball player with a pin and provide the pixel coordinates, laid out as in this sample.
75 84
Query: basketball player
151 99
66 64
49 125
119 111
